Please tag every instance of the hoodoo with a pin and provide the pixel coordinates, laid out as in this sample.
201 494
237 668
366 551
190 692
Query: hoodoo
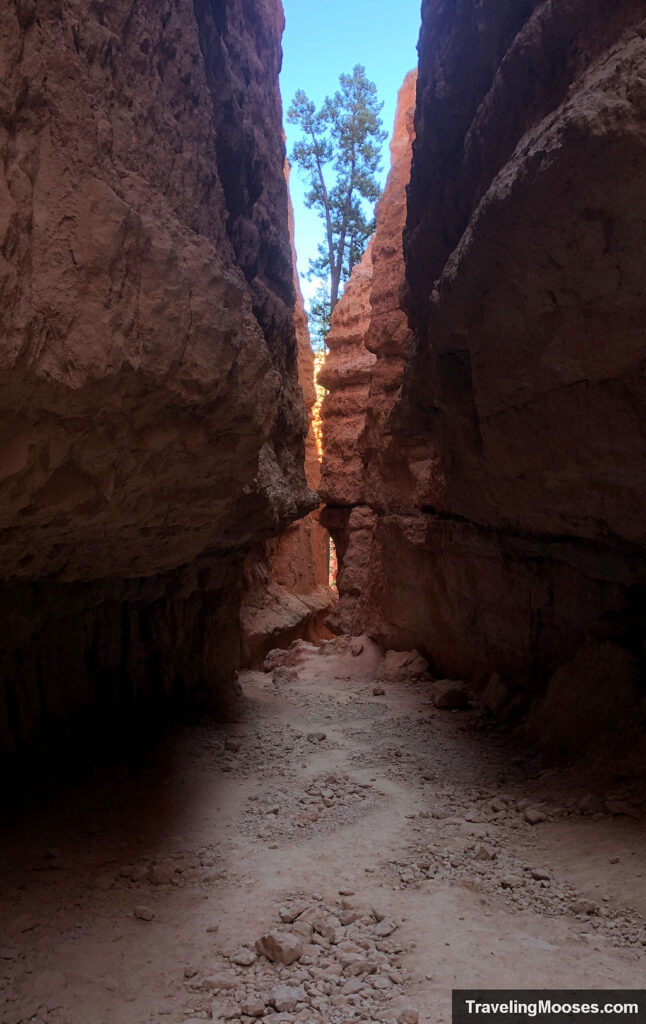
496 520
151 418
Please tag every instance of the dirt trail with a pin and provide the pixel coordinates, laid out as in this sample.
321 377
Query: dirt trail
390 836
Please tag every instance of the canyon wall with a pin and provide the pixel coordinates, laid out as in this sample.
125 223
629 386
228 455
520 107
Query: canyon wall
151 418
509 537
286 594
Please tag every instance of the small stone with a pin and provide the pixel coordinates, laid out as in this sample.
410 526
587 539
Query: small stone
316 737
621 808
378 691
408 1016
244 958
219 982
253 1007
614 860
483 852
162 873
541 875
346 892
510 881
352 987
138 873
585 907
533 815
450 694
289 914
280 947
143 913
356 646
285 998
384 929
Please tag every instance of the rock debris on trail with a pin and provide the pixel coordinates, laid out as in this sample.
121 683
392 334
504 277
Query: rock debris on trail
256 875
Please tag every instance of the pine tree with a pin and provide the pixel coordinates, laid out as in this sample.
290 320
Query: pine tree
339 153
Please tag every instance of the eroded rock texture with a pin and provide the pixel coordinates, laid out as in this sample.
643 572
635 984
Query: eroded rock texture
151 419
286 594
364 470
518 539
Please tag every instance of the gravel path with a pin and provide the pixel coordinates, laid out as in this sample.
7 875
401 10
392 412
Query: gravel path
345 851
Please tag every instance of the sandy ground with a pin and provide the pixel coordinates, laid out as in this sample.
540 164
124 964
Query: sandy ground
391 836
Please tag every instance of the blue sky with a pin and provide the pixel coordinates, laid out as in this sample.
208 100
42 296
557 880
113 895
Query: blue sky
321 41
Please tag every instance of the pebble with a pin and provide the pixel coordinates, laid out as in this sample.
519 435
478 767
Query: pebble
244 958
541 875
143 913
316 737
533 815
280 947
450 694
254 1007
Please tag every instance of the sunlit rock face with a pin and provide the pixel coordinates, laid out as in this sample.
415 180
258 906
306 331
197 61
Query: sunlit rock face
151 420
510 534
364 473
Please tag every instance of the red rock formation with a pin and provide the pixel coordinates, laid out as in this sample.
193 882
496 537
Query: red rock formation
364 472
526 374
286 594
510 534
151 419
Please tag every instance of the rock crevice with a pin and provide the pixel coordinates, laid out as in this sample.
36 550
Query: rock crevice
497 519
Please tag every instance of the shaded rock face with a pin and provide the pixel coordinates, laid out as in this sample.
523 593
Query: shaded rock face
151 419
510 536
286 594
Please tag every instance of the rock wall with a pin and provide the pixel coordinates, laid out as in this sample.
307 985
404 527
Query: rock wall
510 538
151 419
286 595
364 471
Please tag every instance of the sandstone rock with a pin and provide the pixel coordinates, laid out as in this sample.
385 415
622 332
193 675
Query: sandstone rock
244 958
484 852
254 1007
294 910
384 929
583 906
285 998
284 676
408 1016
162 873
219 982
400 666
541 874
483 536
621 807
534 815
280 947
151 417
450 694
143 913
589 700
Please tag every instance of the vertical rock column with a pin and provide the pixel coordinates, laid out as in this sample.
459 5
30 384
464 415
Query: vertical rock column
286 594
152 425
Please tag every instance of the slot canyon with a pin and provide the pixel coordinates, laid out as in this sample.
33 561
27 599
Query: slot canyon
322 687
